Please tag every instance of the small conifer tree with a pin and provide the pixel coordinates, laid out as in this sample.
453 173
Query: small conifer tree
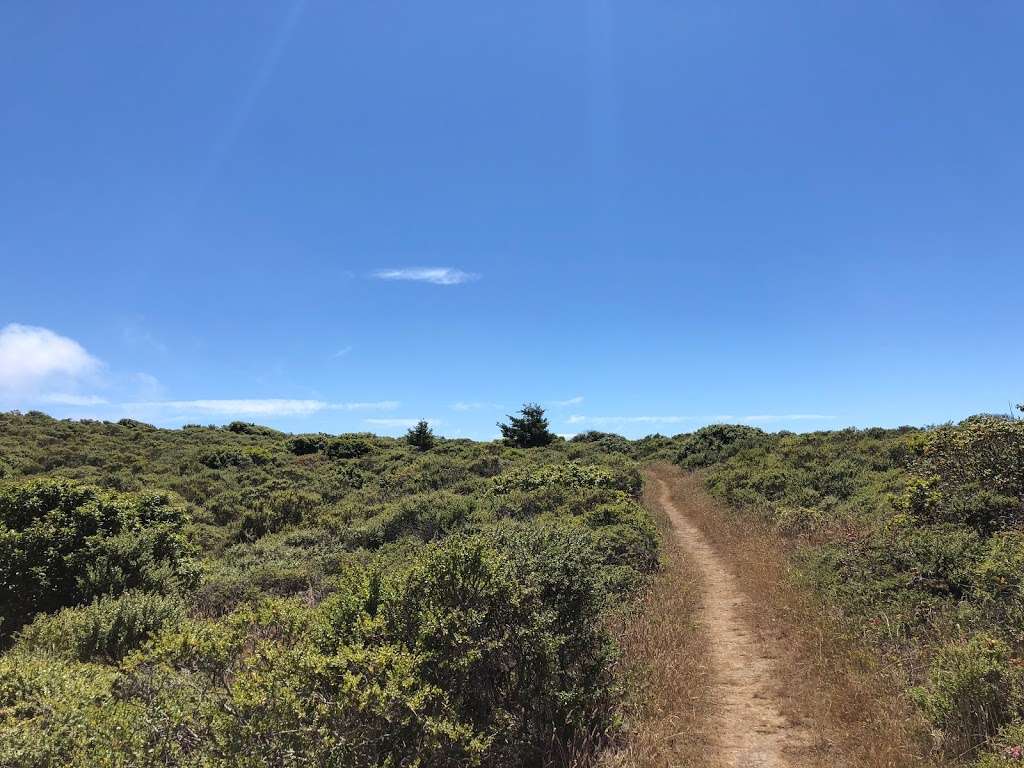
529 430
421 436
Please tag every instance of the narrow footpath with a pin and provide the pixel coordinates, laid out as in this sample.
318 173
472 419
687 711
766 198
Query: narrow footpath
749 729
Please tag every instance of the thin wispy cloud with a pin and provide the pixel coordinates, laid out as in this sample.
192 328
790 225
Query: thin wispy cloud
609 420
787 417
342 352
146 386
578 400
473 406
399 423
721 418
64 398
257 407
433 275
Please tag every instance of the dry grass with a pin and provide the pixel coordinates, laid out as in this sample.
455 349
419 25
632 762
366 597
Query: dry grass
826 680
665 663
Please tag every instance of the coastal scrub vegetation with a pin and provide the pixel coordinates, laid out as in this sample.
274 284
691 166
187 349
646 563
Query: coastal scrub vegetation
915 537
237 596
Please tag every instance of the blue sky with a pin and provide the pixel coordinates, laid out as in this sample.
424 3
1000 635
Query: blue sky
647 216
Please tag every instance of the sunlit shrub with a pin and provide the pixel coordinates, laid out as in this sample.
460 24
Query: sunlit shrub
970 692
277 511
106 629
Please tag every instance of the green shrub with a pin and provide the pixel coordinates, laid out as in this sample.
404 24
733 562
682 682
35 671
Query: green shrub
512 635
268 684
484 650
566 476
56 713
977 471
347 447
970 692
624 535
302 445
998 582
280 510
375 610
235 457
716 443
247 428
1006 750
62 544
106 629
606 442
427 516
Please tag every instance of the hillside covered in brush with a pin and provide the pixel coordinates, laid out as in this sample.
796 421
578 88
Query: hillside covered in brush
239 596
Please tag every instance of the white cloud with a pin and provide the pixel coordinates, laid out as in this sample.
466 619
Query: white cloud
404 423
435 275
380 405
146 386
270 407
578 400
787 417
63 398
30 355
608 420
252 407
342 352
473 406
719 419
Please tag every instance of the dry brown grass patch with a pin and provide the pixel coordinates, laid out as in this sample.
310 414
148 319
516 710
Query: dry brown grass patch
664 662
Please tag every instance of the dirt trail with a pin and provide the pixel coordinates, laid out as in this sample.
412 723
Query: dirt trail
750 730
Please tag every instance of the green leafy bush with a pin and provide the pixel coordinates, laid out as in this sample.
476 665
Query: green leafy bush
63 544
302 445
277 511
998 582
347 447
971 691
512 634
567 476
606 442
235 457
107 629
57 713
716 443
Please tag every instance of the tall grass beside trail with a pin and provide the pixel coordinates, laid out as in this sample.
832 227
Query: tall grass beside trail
664 664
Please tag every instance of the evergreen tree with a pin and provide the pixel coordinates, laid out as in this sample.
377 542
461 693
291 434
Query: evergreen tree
421 436
530 430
